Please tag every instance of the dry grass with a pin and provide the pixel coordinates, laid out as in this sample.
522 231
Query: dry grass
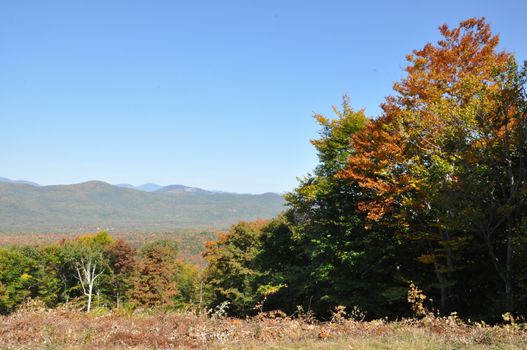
64 328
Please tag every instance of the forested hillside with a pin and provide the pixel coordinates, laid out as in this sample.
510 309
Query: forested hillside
97 205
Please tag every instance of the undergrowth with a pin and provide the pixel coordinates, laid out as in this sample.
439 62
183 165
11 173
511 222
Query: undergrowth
34 327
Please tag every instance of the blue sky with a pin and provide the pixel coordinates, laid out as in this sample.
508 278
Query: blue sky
214 94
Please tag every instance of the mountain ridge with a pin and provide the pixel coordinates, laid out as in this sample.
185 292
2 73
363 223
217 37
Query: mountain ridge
6 180
146 187
93 204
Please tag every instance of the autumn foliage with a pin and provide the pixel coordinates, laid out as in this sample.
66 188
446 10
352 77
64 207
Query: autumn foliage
431 192
95 270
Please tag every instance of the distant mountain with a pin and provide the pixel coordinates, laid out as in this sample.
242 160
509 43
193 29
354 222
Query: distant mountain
6 180
149 187
177 189
91 205
125 186
174 189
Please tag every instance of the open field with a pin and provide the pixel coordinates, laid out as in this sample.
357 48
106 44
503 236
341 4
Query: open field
64 328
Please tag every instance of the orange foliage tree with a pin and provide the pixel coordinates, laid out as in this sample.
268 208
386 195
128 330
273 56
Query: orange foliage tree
460 100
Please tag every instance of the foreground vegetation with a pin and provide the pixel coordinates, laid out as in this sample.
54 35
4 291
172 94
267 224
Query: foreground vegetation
100 271
64 328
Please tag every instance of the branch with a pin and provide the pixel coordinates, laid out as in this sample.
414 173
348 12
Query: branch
80 279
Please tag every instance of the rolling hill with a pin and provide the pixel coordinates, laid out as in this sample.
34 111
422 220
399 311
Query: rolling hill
98 205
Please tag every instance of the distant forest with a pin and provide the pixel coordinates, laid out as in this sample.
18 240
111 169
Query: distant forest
425 202
87 206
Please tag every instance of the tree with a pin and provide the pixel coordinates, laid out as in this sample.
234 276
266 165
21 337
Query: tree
317 254
88 271
154 279
86 256
17 280
495 180
434 147
121 258
232 274
343 263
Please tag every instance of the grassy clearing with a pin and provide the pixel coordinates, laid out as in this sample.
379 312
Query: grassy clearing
64 328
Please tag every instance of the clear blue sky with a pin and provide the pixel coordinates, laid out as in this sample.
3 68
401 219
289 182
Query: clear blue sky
214 94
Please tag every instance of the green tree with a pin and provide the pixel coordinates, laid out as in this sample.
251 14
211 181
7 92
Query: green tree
344 264
88 262
231 274
17 277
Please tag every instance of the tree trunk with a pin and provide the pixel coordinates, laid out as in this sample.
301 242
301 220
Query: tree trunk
89 297
508 270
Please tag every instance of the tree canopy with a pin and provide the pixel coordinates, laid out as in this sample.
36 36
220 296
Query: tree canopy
431 192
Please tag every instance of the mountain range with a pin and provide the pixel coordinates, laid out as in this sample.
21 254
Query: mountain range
150 187
147 187
6 180
28 207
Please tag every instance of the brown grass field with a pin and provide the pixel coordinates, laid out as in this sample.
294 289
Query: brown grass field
65 328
